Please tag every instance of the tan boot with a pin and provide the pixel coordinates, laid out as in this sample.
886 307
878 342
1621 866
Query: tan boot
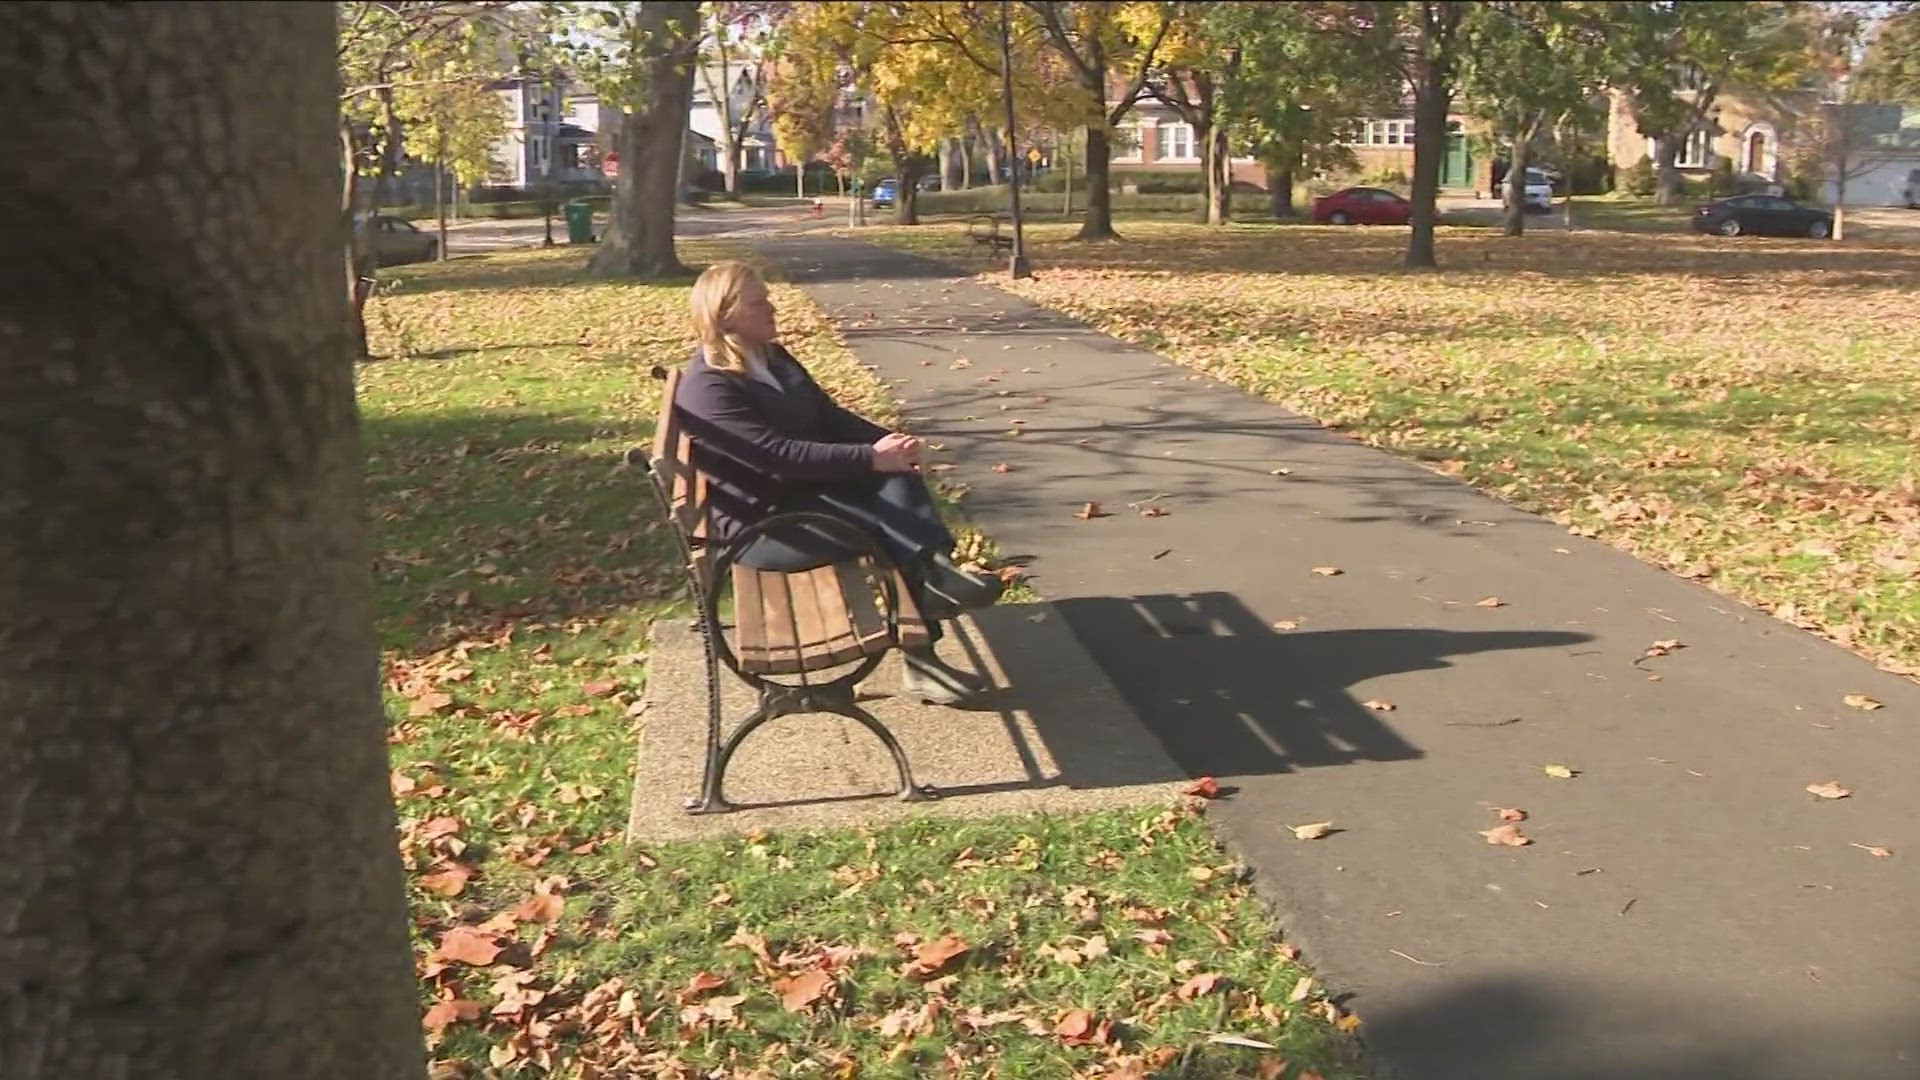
924 678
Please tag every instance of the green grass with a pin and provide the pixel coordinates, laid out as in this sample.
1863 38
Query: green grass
1743 412
518 569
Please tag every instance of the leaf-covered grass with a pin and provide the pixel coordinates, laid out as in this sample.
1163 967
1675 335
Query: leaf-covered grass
1743 412
517 571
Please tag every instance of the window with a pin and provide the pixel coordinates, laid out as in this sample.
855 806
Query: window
1382 133
1696 153
1174 142
537 153
1126 141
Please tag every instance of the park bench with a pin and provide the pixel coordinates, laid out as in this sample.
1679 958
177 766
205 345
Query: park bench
838 620
985 229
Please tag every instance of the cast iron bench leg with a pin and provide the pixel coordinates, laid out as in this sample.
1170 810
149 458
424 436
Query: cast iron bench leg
777 701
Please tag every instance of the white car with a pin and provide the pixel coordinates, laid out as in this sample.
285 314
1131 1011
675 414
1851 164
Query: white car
1538 191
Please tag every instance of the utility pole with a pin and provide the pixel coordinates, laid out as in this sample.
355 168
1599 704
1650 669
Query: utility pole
1017 265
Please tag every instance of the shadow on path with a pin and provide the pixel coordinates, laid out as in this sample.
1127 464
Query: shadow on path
1230 696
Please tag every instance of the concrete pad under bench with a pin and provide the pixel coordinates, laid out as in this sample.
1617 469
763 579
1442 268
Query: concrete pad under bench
1053 737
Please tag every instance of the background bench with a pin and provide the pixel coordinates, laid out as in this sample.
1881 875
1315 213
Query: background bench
985 229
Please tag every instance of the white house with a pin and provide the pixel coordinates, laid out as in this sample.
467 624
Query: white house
706 117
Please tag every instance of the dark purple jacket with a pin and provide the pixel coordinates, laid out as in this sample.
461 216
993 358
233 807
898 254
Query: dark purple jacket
763 447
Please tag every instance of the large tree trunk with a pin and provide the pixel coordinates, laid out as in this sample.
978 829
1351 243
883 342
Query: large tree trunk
639 238
1280 166
360 263
1666 174
197 867
1097 224
1219 177
1516 208
906 194
946 164
1429 144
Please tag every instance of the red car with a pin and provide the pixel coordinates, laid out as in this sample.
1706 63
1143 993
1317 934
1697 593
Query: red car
1362 206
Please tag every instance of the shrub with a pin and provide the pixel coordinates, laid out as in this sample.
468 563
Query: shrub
1385 176
1638 179
1722 182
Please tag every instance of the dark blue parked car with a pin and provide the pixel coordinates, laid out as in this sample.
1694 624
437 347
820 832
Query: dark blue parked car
883 193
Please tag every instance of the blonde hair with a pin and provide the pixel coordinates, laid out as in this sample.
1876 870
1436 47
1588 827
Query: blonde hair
715 297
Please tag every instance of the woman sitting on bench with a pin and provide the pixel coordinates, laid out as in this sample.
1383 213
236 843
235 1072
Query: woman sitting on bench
770 440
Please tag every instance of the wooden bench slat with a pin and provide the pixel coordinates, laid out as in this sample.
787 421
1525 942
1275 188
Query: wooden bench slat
750 619
838 642
811 625
856 585
783 652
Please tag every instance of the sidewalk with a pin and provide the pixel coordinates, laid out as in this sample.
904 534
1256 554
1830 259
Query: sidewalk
1686 908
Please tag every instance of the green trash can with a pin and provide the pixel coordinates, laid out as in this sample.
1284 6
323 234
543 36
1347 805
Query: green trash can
579 221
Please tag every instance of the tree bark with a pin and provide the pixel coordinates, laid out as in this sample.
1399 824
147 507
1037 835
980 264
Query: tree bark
198 875
1429 145
1219 177
639 239
1097 224
1516 208
1432 97
1666 174
1280 165
991 142
440 199
360 264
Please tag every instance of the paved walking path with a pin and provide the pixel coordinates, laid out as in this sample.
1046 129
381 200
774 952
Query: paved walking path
1687 909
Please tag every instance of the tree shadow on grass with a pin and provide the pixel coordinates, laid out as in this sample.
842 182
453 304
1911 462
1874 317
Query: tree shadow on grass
484 516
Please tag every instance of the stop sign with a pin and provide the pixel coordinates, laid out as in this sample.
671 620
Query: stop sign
611 164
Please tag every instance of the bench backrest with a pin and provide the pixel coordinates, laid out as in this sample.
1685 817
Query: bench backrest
683 487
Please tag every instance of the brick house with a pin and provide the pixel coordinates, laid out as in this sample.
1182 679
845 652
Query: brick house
1152 137
1754 133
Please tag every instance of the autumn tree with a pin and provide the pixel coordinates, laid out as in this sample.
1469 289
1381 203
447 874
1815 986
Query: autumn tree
1304 73
736 65
1527 66
386 48
804 96
197 864
1426 55
1890 70
1109 46
1686 55
1187 75
451 118
640 58
1847 135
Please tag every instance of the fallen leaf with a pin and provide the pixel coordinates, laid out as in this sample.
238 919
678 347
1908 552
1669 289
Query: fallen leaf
801 991
430 703
1662 648
1090 511
1152 511
1154 938
599 687
1830 789
1491 601
702 982
540 908
1379 706
467 945
930 958
1198 986
1311 832
1560 772
1328 571
1074 1024
1241 1041
1302 989
1003 467
1876 852
1508 813
1206 787
1507 835
1286 624
1862 701
446 880
441 1014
